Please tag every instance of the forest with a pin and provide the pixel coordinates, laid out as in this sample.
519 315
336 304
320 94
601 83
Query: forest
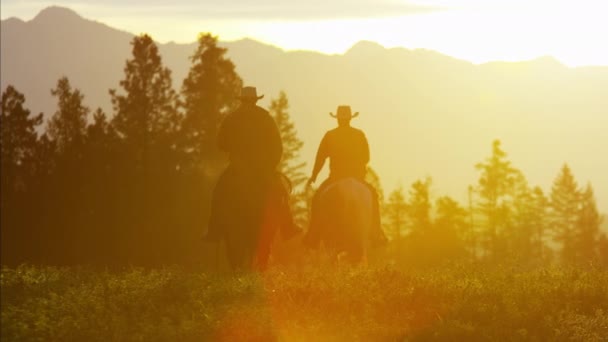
133 187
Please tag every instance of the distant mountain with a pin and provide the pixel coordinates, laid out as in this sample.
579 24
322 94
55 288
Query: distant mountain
424 113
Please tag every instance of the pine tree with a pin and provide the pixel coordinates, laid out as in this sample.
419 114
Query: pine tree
19 189
451 216
529 211
146 116
420 206
290 164
101 190
17 141
565 202
210 91
147 122
587 227
396 214
68 125
494 190
67 216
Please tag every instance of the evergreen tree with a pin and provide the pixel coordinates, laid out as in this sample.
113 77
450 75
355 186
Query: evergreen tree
494 190
17 141
210 91
146 116
565 207
451 216
290 164
101 193
446 239
527 231
587 227
395 214
67 217
67 127
18 202
148 123
420 206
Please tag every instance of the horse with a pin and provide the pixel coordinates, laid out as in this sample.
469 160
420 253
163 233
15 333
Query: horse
249 212
344 220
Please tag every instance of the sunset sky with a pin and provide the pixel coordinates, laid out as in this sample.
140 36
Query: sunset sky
573 31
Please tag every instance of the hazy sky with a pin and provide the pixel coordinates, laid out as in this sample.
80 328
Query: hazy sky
573 31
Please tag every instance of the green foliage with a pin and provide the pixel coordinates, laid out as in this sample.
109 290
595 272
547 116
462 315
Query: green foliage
315 302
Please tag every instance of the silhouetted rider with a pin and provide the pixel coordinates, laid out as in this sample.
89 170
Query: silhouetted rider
252 140
348 153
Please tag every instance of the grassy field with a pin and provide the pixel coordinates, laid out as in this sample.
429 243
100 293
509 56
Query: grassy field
459 303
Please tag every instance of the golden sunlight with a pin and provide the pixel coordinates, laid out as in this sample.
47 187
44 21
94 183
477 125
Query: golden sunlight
473 32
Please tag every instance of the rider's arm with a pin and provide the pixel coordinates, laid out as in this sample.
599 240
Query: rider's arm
322 154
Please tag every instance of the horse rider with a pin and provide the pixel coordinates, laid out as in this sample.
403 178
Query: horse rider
252 140
348 152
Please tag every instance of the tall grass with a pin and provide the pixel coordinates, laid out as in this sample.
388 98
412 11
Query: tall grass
320 303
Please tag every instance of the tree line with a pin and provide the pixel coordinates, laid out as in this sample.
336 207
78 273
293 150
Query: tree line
505 218
130 188
133 188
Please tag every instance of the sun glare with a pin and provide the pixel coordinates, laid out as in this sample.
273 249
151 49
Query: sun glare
575 37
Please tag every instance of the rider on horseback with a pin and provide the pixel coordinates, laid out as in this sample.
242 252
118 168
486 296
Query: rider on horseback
251 138
348 153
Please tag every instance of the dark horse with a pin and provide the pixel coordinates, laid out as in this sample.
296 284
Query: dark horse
250 216
345 220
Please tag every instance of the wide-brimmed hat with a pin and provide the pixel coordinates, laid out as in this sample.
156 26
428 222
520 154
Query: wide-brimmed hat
344 112
250 93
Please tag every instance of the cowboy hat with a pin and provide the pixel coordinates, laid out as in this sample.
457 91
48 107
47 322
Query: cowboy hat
344 112
249 93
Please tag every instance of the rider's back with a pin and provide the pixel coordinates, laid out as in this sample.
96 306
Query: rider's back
251 138
348 151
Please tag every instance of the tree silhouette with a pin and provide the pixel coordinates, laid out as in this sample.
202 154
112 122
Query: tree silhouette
587 227
148 123
528 225
494 190
210 91
18 148
147 114
565 200
18 141
67 126
67 130
419 206
396 214
290 164
451 216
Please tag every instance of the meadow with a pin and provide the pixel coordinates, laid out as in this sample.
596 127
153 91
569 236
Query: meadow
465 302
